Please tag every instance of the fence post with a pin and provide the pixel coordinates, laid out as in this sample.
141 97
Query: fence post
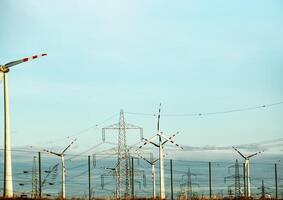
276 182
209 179
171 172
133 178
39 174
89 178
244 177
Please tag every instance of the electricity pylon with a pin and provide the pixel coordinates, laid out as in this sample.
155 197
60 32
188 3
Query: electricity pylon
123 168
162 140
34 192
61 155
189 183
8 179
236 176
247 169
263 190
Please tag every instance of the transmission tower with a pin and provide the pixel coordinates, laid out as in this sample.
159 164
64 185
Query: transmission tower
236 176
123 165
263 190
34 193
189 183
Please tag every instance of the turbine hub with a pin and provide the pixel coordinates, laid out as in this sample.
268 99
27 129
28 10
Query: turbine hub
4 69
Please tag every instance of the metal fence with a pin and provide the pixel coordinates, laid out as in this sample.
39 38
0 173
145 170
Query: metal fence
190 179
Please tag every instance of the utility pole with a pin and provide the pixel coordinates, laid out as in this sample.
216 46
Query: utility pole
123 169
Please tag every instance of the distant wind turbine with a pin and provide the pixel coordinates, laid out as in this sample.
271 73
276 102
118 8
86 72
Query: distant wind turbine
8 179
162 140
247 169
61 155
152 163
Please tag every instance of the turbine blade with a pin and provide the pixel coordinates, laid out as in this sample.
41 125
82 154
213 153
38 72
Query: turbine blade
16 62
170 140
255 154
147 142
239 152
68 146
158 119
144 159
51 152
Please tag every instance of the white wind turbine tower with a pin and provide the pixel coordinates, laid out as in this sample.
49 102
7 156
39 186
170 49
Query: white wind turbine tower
247 169
162 140
152 163
61 155
8 179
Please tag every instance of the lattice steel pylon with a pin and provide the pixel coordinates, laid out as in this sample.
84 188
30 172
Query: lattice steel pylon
123 165
34 192
236 176
237 180
189 184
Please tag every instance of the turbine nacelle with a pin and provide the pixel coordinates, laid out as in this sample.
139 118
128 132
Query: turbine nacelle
4 69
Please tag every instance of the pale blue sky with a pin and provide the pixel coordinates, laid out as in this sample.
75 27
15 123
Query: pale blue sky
193 56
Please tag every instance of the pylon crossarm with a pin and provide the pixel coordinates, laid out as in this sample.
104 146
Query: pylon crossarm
16 62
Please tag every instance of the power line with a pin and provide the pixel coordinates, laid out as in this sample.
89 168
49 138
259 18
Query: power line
209 113
83 131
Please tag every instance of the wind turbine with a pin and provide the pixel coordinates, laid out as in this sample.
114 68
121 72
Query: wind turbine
162 140
152 163
61 155
8 179
247 168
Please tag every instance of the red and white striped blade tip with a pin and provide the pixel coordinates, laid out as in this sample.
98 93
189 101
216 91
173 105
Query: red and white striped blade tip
34 57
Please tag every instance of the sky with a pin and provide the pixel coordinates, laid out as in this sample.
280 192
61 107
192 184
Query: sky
192 56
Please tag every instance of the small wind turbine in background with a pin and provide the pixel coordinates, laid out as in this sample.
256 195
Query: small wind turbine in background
115 173
152 163
61 155
162 140
8 179
247 169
